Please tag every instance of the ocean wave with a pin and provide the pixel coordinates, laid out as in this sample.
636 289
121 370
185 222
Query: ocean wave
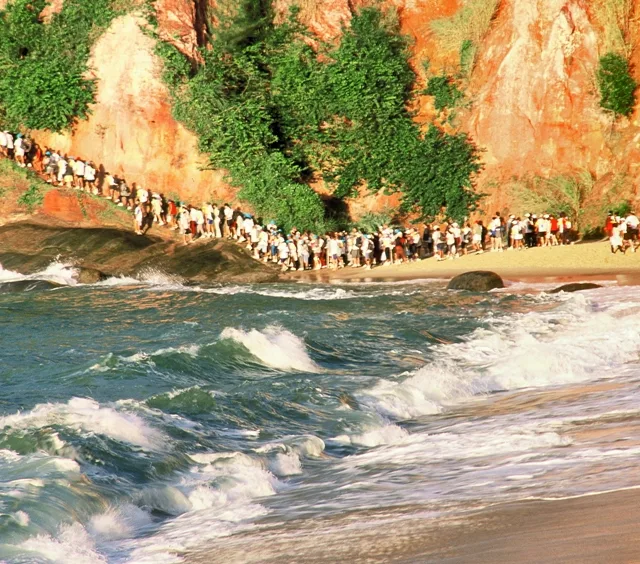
72 544
284 457
88 416
582 339
461 442
59 273
374 437
274 347
216 498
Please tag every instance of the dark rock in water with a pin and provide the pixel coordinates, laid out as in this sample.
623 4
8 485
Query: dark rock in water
27 286
90 276
478 281
576 287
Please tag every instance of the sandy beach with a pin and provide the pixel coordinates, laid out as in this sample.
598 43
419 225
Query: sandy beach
592 529
585 261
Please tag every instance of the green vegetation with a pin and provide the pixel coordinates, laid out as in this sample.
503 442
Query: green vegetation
445 91
564 193
32 198
20 186
617 86
277 115
43 65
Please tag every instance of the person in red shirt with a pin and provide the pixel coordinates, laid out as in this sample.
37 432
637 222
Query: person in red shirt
608 226
554 230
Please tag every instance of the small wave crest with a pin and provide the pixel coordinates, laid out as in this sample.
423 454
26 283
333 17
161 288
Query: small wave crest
275 347
88 416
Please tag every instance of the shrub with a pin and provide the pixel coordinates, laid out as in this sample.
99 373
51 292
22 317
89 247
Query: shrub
43 65
445 92
617 86
468 52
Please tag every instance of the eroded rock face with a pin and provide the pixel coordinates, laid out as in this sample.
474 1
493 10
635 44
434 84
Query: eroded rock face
534 104
536 108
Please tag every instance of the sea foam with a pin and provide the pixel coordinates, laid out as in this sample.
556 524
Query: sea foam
583 339
58 272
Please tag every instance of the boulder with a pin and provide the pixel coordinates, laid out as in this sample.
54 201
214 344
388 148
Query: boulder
478 281
576 287
90 276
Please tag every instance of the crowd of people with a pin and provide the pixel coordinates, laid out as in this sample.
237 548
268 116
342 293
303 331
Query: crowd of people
296 250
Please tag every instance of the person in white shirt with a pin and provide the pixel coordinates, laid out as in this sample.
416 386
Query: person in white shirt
19 150
438 243
9 138
216 222
3 143
185 225
90 178
228 221
616 239
79 171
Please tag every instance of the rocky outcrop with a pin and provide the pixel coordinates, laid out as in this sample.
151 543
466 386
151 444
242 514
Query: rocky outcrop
29 247
575 287
478 281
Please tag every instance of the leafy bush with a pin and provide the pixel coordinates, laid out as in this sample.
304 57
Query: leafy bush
43 65
277 115
32 198
617 86
622 208
445 91
565 193
372 222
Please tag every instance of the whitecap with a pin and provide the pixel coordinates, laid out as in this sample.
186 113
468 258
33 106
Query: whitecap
87 416
275 347
581 340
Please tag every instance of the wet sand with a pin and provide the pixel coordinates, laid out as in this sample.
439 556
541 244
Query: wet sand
587 261
592 529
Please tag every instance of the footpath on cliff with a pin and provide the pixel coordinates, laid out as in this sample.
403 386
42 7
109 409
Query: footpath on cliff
40 224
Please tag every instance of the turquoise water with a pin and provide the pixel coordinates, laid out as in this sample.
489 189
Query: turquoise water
148 421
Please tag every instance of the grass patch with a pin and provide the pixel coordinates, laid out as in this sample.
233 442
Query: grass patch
463 32
615 18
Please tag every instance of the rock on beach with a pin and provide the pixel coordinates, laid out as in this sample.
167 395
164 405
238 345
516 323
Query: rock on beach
575 287
477 281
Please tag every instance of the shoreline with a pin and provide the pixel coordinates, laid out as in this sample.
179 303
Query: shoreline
587 262
588 529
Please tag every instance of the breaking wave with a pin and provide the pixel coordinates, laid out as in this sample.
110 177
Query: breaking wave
274 347
580 340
